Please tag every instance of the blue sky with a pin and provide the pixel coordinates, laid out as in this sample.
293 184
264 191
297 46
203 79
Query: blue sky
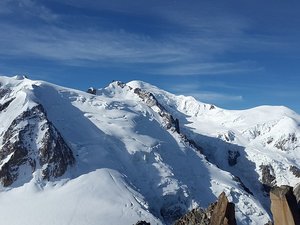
236 54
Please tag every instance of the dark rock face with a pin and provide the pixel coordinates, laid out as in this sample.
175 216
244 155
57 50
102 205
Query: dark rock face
232 157
297 194
150 100
6 104
142 223
92 91
268 179
4 92
229 136
120 84
284 206
197 216
22 146
284 142
219 213
295 170
212 107
192 143
177 128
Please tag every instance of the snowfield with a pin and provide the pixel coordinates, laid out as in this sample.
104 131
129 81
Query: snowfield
130 166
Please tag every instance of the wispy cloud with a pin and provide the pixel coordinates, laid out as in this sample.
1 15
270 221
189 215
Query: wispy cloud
34 9
86 47
27 8
193 49
196 90
206 68
216 97
69 45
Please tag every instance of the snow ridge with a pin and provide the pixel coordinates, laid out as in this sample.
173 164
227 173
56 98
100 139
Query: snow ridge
141 153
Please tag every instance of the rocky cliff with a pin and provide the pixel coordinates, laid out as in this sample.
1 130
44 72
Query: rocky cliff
284 206
32 144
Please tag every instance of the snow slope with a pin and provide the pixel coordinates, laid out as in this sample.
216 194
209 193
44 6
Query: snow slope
130 166
262 136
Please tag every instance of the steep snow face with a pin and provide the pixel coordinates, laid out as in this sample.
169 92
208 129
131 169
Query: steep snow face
245 142
134 161
30 143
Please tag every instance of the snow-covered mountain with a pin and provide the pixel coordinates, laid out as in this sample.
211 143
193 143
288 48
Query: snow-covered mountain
134 152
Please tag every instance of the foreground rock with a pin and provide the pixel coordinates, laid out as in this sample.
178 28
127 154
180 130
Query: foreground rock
195 217
219 213
284 206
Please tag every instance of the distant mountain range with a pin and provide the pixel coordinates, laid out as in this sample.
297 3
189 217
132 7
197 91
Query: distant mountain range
131 151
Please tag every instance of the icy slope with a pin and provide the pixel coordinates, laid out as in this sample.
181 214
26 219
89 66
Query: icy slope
259 145
131 161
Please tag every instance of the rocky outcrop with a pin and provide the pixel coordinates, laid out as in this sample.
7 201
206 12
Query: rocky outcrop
5 104
295 171
142 223
268 177
177 128
287 142
221 212
232 157
92 91
197 216
4 91
31 141
151 101
192 144
284 206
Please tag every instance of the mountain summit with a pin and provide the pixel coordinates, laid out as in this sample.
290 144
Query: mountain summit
131 151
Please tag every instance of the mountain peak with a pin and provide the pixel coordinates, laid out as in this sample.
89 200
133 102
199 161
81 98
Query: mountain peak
20 77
